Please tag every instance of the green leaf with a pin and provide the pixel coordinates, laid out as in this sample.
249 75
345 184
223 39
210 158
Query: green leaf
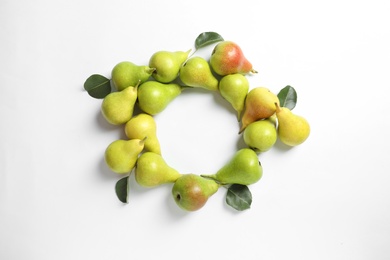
287 97
239 197
122 189
97 86
207 38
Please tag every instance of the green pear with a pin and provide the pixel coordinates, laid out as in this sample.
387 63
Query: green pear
191 191
234 88
142 126
292 129
196 72
121 155
260 135
154 96
126 73
151 170
167 64
118 107
227 58
259 104
243 168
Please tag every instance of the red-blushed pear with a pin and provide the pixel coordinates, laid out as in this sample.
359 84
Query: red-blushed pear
228 58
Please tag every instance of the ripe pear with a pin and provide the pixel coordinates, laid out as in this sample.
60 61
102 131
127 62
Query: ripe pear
234 88
228 58
121 155
196 72
243 168
167 64
118 107
126 73
144 126
292 129
191 191
154 96
151 170
259 104
260 135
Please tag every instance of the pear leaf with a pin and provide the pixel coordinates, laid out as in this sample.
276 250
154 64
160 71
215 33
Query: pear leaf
239 197
207 38
122 189
97 86
287 97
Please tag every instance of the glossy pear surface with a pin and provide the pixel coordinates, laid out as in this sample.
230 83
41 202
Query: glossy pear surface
121 155
154 96
259 104
196 72
126 74
234 88
243 168
167 64
292 129
118 107
260 135
144 126
191 191
152 170
228 58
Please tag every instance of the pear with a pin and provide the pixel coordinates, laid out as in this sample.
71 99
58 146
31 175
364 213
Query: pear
152 170
118 107
142 126
121 155
227 57
234 88
259 104
154 96
126 73
260 135
191 191
243 168
167 64
196 72
292 129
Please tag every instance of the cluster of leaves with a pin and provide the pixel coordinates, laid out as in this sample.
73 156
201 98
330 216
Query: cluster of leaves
238 196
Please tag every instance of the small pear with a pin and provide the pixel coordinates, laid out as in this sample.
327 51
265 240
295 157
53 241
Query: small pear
260 135
259 104
191 191
234 88
142 126
118 107
292 129
154 96
196 72
126 73
243 168
121 155
152 170
227 57
167 64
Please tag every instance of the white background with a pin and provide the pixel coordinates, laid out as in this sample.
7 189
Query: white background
326 199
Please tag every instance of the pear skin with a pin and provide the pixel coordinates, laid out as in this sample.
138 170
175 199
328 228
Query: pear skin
144 126
167 64
293 129
121 155
126 74
191 191
151 170
154 96
260 135
228 58
243 168
259 104
196 72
